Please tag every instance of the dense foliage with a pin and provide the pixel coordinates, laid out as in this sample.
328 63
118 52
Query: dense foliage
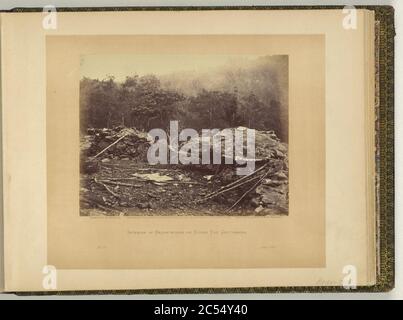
248 97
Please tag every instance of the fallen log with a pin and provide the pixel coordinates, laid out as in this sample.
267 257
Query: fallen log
236 182
249 190
116 183
215 194
106 187
103 150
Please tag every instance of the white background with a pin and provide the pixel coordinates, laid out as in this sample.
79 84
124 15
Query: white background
397 293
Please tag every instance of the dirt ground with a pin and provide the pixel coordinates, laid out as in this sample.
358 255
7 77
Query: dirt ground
127 188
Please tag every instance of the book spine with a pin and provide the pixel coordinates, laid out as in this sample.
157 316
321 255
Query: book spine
2 279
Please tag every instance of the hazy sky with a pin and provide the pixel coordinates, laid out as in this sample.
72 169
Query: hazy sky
121 65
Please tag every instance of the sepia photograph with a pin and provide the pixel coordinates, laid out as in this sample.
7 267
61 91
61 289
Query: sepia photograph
210 143
183 135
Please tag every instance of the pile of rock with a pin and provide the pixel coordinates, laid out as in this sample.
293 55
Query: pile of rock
133 144
271 196
267 188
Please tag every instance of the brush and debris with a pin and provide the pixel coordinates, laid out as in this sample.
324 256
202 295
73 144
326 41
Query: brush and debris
116 179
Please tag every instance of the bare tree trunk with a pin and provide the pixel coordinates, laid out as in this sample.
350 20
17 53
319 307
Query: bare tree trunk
211 117
108 121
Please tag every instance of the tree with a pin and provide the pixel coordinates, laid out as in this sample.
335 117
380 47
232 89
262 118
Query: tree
143 103
253 112
212 109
